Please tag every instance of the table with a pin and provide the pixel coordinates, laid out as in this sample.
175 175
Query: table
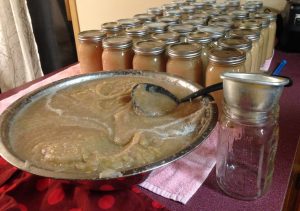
209 196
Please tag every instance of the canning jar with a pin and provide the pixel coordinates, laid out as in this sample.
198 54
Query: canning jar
137 33
198 6
156 27
197 22
272 33
111 28
157 11
90 50
129 22
238 16
168 37
203 39
169 20
265 33
170 6
184 60
173 13
149 55
183 30
186 11
254 25
117 53
144 17
252 35
232 5
222 60
248 134
240 43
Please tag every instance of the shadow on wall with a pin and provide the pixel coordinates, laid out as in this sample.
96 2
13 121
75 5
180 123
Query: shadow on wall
53 33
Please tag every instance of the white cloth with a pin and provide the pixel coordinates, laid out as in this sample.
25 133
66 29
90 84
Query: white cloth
19 59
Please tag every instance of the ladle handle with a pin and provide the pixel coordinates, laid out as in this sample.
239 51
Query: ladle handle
204 91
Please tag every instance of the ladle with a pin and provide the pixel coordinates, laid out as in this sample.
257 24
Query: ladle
153 100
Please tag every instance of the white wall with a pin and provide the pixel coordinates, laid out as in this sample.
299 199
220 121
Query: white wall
92 13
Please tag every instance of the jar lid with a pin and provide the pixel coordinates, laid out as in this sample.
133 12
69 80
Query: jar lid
144 17
137 31
182 28
240 14
250 34
217 32
91 35
195 22
236 42
111 27
175 12
187 9
117 42
155 11
156 27
169 6
213 12
184 50
209 1
226 23
129 22
180 2
200 37
258 4
167 37
149 47
226 55
250 24
250 7
202 15
221 6
169 20
190 1
197 5
233 3
265 22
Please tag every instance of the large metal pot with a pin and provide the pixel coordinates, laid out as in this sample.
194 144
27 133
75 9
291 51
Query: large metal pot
129 177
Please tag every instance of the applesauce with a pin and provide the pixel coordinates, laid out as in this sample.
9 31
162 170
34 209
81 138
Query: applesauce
185 61
90 50
222 60
149 55
252 35
89 128
117 53
240 43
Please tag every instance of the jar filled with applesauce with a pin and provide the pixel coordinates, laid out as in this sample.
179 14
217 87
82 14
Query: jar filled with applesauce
157 11
252 35
111 29
217 32
184 61
156 27
222 60
240 43
137 33
272 33
186 11
183 30
197 22
129 22
117 53
265 33
173 13
203 39
90 50
144 17
238 16
170 6
254 25
149 55
198 6
226 23
168 37
168 20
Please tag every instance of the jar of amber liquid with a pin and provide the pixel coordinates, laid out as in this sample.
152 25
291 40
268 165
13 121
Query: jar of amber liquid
111 29
203 39
90 50
222 60
117 53
184 60
252 35
149 55
272 33
239 43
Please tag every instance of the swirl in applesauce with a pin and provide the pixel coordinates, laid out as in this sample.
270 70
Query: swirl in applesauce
91 128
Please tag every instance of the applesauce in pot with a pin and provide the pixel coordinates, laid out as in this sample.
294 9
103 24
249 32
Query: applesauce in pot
90 128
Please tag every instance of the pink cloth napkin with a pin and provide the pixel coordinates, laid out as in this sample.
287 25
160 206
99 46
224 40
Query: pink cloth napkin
182 178
178 180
